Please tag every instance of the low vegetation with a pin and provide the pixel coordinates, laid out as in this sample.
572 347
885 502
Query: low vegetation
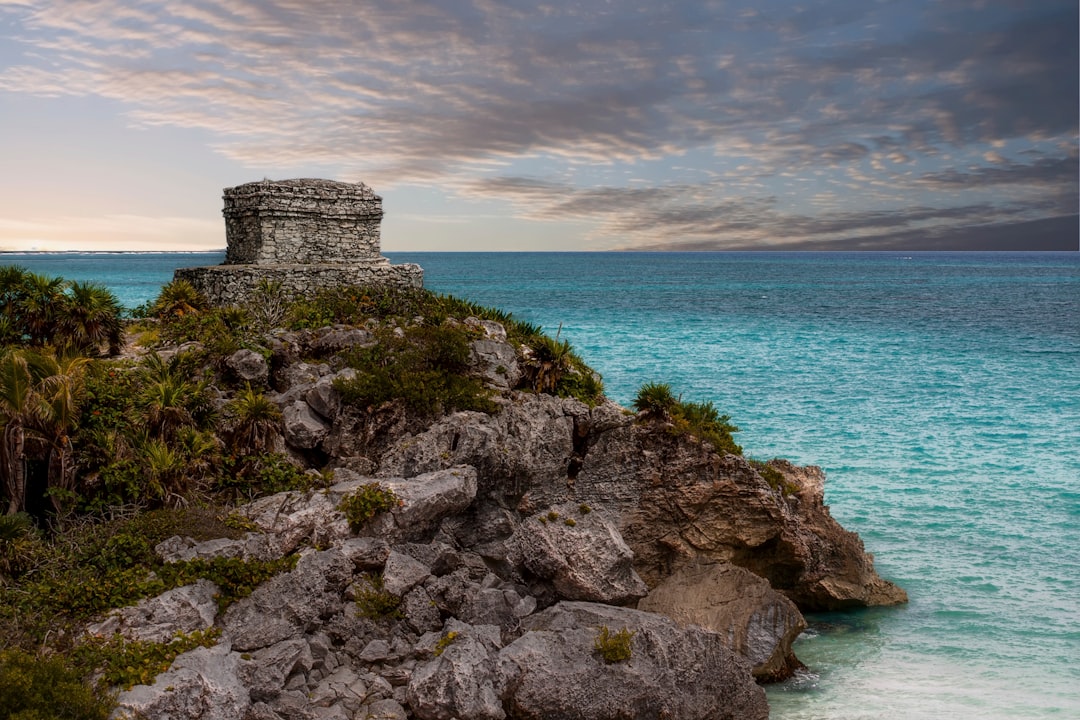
374 602
656 402
614 647
366 502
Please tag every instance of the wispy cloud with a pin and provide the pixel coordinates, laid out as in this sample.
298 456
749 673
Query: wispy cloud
729 123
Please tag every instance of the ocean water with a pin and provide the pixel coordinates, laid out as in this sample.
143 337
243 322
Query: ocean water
940 392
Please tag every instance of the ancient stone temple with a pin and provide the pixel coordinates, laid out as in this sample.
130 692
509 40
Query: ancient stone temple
305 235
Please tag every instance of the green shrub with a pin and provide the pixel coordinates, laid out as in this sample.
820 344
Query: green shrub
366 502
125 663
614 647
374 602
426 369
250 476
47 688
655 401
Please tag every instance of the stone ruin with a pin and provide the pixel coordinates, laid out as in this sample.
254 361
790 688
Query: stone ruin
305 235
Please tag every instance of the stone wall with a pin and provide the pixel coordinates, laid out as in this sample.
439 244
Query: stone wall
306 235
235 284
301 221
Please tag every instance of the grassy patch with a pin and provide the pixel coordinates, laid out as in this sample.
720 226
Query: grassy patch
424 367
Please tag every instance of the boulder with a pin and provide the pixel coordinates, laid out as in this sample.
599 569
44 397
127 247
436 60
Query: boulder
304 429
402 573
158 619
555 671
581 552
425 500
323 398
753 619
495 363
249 366
329 340
290 519
266 671
253 546
461 681
285 606
203 683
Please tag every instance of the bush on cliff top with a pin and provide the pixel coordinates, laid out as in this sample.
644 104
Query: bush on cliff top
656 401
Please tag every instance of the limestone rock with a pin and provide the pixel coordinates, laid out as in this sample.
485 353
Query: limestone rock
304 429
323 398
495 363
402 573
753 619
253 546
334 339
291 518
248 366
287 604
461 682
203 683
158 619
581 553
426 499
553 670
266 671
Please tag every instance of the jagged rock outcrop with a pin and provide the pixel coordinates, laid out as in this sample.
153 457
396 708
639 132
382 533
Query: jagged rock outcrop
677 500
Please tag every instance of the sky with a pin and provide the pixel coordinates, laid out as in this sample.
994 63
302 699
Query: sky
544 126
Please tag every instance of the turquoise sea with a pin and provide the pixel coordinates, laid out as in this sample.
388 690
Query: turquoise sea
940 392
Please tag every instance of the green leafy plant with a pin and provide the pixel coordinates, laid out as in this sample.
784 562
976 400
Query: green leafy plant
373 601
655 400
366 502
34 687
424 367
125 663
614 647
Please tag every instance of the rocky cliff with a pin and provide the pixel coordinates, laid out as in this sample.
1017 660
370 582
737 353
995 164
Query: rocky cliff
546 559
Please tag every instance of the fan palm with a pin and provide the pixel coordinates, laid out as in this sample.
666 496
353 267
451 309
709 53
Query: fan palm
88 317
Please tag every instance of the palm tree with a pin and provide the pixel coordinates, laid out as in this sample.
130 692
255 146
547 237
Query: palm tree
21 407
42 297
61 392
166 407
89 316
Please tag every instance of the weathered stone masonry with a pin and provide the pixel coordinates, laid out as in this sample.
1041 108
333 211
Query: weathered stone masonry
305 235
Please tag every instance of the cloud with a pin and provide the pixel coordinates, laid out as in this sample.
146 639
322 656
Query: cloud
844 116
